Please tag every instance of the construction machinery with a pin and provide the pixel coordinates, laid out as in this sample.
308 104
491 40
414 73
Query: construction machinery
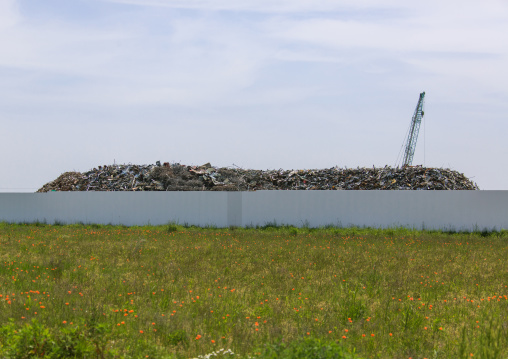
414 129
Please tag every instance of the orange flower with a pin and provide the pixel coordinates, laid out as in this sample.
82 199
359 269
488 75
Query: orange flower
198 336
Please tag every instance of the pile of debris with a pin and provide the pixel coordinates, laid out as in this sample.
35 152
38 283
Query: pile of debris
177 177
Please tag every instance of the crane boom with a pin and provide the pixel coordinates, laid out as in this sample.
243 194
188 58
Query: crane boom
409 150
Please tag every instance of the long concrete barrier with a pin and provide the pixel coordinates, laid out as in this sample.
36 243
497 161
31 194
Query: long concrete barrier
449 210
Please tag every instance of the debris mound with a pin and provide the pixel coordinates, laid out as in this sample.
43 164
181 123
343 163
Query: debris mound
177 177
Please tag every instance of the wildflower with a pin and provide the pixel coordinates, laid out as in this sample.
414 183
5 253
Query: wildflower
198 336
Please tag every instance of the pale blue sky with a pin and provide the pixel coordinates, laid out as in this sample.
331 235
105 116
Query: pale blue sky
256 83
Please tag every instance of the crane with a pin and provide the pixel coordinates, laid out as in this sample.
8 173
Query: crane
409 150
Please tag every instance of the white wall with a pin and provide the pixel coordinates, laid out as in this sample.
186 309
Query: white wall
414 209
128 208
459 210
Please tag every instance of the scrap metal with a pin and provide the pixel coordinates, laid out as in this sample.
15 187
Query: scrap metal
177 177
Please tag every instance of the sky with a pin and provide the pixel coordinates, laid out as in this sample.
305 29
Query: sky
279 84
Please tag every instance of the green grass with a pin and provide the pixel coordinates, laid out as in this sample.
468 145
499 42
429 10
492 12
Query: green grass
273 292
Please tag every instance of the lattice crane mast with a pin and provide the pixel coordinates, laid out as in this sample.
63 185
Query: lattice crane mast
409 150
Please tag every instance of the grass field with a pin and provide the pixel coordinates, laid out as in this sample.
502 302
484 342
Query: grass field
171 291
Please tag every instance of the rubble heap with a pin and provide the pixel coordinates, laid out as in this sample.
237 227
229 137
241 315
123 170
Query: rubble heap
177 177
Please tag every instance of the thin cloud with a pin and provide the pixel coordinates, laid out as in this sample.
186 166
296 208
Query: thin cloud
280 6
9 13
423 33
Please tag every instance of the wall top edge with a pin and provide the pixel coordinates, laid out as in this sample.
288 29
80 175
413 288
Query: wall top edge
270 191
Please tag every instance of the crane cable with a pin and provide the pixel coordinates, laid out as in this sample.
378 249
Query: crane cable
424 141
399 156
